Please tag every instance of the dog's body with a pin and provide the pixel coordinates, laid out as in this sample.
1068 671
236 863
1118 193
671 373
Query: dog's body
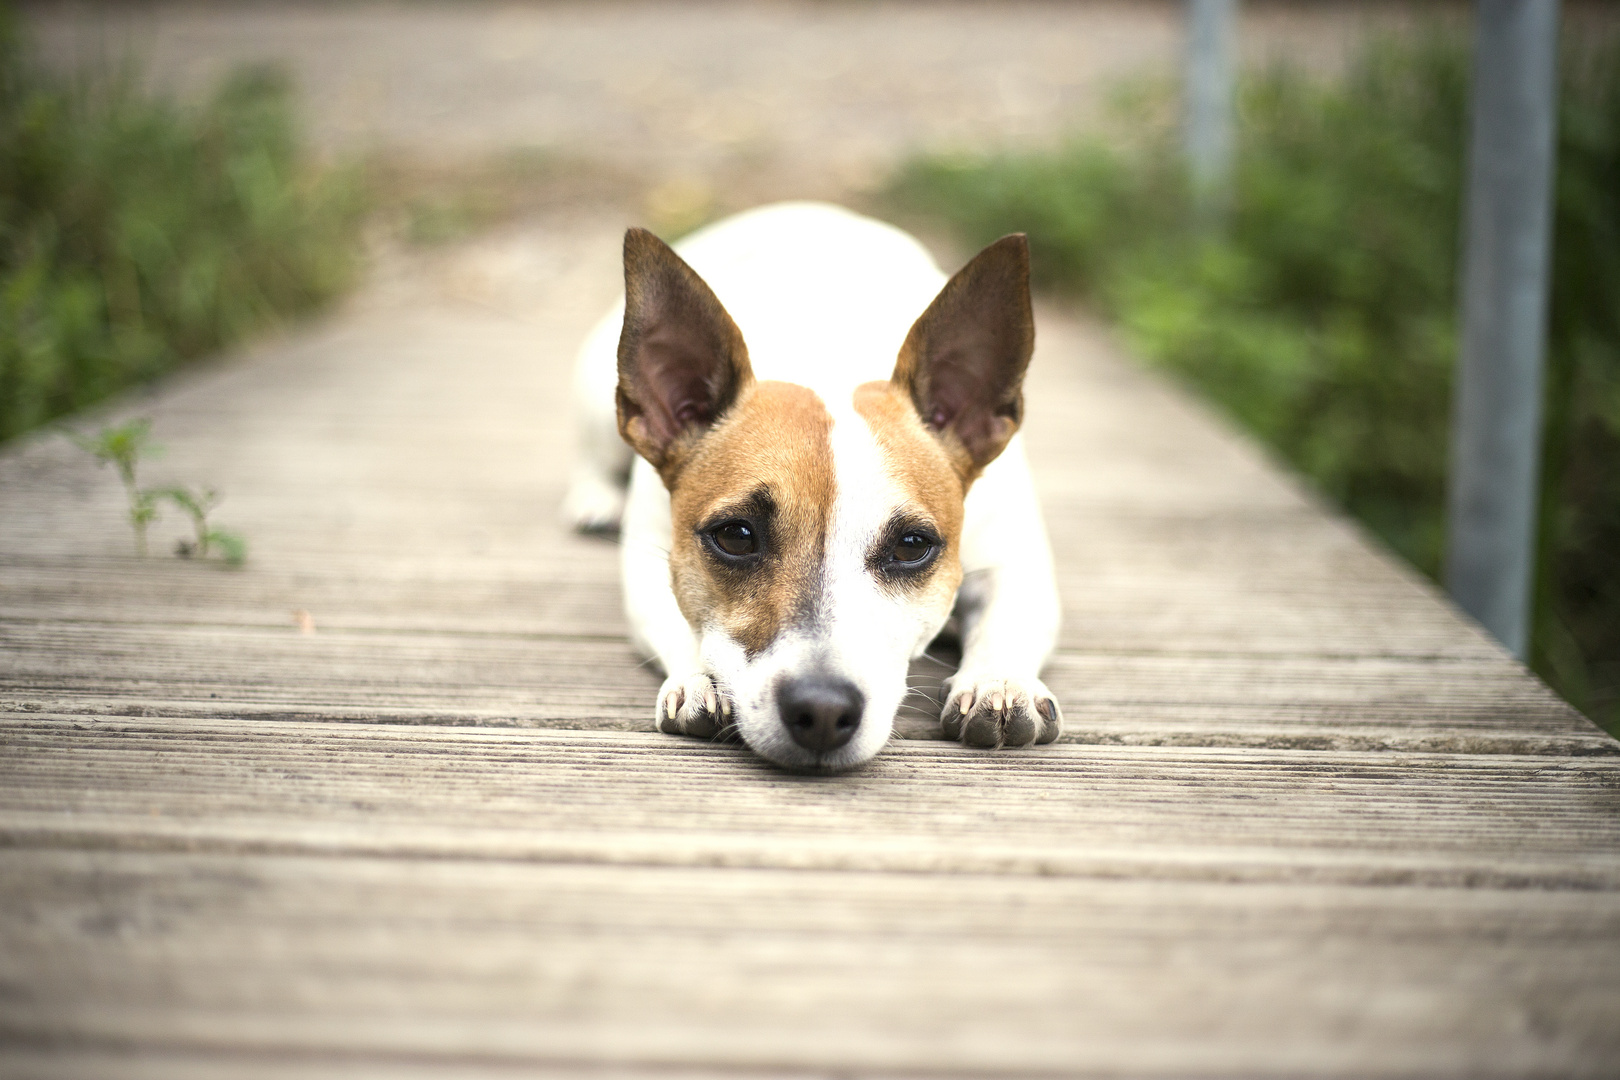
823 477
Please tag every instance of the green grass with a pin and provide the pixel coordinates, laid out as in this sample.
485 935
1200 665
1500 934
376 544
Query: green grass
1322 313
136 233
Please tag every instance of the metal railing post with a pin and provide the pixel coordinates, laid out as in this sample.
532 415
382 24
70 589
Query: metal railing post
1207 106
1496 414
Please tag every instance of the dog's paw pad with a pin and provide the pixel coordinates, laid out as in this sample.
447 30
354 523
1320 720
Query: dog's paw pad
692 705
1000 712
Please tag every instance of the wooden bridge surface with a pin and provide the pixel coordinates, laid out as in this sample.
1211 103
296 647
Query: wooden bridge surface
1305 818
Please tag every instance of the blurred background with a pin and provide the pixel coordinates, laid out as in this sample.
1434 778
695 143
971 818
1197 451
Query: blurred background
176 178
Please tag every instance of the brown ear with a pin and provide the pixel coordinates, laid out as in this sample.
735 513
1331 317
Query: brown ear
682 360
963 362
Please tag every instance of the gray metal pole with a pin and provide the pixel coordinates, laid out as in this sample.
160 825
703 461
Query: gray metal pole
1496 414
1207 109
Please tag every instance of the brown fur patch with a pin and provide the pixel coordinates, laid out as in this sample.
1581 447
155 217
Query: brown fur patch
771 448
923 466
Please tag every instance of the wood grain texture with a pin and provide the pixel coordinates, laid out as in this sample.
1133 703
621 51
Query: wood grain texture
1304 819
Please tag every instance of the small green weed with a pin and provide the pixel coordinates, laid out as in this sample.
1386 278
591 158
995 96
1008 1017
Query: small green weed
123 446
197 503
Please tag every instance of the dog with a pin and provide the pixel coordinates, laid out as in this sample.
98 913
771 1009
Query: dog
826 466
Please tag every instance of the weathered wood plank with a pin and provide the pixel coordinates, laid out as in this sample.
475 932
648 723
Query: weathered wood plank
1151 812
522 898
489 679
526 964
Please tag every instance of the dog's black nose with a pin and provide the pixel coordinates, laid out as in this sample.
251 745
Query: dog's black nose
821 712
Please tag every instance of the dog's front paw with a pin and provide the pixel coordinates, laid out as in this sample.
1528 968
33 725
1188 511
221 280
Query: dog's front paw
692 705
593 504
999 712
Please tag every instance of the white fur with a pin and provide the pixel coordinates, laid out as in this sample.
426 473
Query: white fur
824 298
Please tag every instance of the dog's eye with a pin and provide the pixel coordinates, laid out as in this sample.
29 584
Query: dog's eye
912 547
735 538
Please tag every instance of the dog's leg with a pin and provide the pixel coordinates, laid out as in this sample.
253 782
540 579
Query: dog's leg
962 365
596 486
689 702
1009 611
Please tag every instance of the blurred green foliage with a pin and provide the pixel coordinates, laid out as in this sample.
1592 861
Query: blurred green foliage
136 233
1322 312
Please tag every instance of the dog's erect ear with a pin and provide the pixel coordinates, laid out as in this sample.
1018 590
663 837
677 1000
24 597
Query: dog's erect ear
963 362
682 360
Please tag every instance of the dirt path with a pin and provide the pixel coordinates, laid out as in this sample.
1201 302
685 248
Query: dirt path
819 97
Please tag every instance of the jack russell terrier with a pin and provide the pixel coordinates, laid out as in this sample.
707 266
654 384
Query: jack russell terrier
829 468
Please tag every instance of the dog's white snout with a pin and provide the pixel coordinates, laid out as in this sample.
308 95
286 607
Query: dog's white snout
821 712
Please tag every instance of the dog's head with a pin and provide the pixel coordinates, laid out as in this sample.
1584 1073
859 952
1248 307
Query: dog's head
815 548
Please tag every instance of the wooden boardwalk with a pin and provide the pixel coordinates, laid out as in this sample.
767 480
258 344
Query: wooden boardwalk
1305 819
